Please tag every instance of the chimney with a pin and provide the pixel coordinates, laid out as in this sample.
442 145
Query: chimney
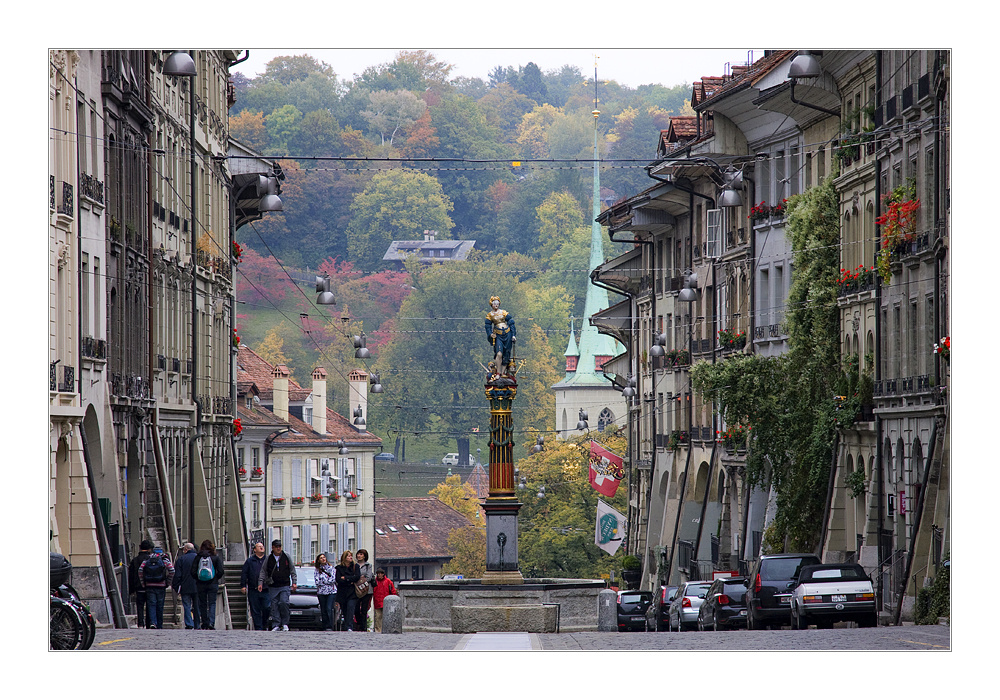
319 400
358 382
429 235
280 391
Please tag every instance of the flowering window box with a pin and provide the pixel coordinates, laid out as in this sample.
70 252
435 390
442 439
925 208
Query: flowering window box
333 497
242 472
257 473
278 502
316 499
298 500
350 496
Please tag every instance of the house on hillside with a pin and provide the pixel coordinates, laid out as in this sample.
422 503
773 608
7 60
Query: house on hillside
411 537
430 250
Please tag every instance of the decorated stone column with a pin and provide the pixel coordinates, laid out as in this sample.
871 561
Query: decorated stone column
501 505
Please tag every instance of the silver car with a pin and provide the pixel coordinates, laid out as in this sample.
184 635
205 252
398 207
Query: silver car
685 603
829 593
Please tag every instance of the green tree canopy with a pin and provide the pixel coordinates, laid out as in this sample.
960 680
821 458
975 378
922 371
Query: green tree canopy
395 206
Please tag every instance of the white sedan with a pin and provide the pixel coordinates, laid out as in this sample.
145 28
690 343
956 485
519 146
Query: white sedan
828 593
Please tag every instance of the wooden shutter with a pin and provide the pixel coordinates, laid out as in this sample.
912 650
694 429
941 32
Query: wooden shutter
296 478
324 540
276 490
306 542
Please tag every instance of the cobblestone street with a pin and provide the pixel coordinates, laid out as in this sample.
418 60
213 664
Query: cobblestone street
904 638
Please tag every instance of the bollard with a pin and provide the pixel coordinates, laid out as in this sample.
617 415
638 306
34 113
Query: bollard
607 611
392 615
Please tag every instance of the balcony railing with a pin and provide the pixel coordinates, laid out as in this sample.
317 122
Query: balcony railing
94 348
91 188
66 207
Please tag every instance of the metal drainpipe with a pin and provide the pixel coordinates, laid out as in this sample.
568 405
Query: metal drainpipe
194 313
879 456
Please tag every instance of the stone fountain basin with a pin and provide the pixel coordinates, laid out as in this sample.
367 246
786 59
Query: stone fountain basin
468 605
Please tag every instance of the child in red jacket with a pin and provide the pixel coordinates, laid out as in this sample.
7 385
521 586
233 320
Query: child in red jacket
383 587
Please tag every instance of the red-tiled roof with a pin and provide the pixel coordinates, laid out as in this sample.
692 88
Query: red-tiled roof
746 76
434 520
254 368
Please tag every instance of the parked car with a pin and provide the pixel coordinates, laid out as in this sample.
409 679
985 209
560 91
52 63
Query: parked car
632 607
303 603
385 457
831 593
769 588
450 458
725 606
684 605
661 608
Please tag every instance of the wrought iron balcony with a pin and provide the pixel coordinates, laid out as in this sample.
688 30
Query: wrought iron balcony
94 348
66 208
91 188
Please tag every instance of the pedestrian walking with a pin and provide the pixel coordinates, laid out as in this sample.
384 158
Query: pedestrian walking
155 575
207 572
347 574
187 587
259 600
383 587
141 611
363 590
326 590
278 574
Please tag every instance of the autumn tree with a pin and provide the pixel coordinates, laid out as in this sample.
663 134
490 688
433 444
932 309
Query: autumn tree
272 348
467 547
460 495
558 216
390 113
557 527
248 128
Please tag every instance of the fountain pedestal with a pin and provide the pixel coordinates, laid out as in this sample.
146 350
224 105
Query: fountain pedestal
501 505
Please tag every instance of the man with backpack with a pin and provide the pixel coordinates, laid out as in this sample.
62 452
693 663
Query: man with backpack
141 609
187 587
155 574
278 575
207 572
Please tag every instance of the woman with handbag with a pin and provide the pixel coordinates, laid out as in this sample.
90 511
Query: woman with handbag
363 589
347 574
326 590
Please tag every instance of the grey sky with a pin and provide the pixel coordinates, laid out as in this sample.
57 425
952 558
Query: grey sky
631 67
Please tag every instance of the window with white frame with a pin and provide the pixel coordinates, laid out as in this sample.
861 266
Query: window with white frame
297 543
713 234
331 543
255 456
352 531
348 477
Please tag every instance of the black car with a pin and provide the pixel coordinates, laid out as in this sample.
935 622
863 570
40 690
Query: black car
632 607
303 602
725 606
769 589
662 608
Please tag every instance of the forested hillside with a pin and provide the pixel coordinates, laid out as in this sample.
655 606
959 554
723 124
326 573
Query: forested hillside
407 147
